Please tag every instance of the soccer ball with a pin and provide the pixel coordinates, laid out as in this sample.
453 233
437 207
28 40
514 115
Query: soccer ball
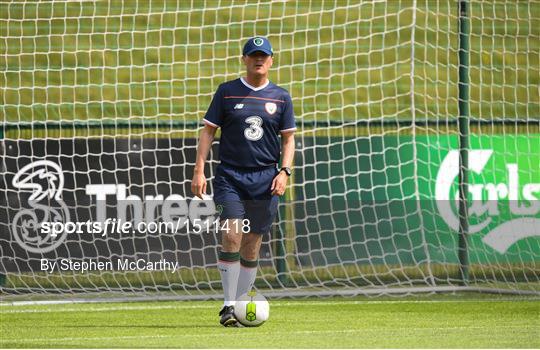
252 309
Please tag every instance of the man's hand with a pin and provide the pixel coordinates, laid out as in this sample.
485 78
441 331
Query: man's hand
198 185
279 184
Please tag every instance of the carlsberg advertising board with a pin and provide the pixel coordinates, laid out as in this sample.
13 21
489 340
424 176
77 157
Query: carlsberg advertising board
400 206
504 194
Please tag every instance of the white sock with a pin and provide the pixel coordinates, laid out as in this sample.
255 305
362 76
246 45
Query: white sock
247 277
229 270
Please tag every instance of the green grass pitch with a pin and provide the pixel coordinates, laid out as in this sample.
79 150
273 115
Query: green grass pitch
448 321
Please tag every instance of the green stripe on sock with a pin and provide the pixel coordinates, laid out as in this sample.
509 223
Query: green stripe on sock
229 256
249 263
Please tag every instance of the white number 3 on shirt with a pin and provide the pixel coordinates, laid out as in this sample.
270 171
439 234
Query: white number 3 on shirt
254 132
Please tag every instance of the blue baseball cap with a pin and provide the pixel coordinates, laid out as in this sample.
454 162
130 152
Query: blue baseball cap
257 43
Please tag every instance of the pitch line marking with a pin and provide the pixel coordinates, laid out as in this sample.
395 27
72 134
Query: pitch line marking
205 305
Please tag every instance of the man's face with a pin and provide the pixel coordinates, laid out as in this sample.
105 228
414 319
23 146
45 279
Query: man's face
258 63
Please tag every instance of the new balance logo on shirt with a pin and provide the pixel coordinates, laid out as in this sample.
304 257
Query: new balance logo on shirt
239 106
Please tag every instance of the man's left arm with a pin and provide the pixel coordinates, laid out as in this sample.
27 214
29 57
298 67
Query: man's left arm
287 154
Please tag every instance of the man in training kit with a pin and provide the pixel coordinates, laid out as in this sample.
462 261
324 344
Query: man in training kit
251 113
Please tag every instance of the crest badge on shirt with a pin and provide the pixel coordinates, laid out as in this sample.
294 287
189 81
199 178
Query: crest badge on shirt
270 107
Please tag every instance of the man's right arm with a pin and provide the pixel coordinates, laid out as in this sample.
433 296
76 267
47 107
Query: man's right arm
198 184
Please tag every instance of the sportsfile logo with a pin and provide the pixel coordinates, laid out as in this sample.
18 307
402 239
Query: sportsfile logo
487 201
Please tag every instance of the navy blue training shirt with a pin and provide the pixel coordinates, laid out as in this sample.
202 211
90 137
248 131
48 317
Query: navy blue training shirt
251 120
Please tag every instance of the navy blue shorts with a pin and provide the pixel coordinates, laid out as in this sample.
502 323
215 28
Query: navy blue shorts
245 194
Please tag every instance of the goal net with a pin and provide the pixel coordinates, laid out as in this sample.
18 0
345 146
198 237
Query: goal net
102 102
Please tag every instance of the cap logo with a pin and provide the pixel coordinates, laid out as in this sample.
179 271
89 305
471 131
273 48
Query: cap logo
258 41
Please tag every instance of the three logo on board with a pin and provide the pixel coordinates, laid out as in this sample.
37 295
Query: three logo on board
46 181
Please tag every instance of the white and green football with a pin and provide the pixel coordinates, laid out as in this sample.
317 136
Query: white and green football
252 309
